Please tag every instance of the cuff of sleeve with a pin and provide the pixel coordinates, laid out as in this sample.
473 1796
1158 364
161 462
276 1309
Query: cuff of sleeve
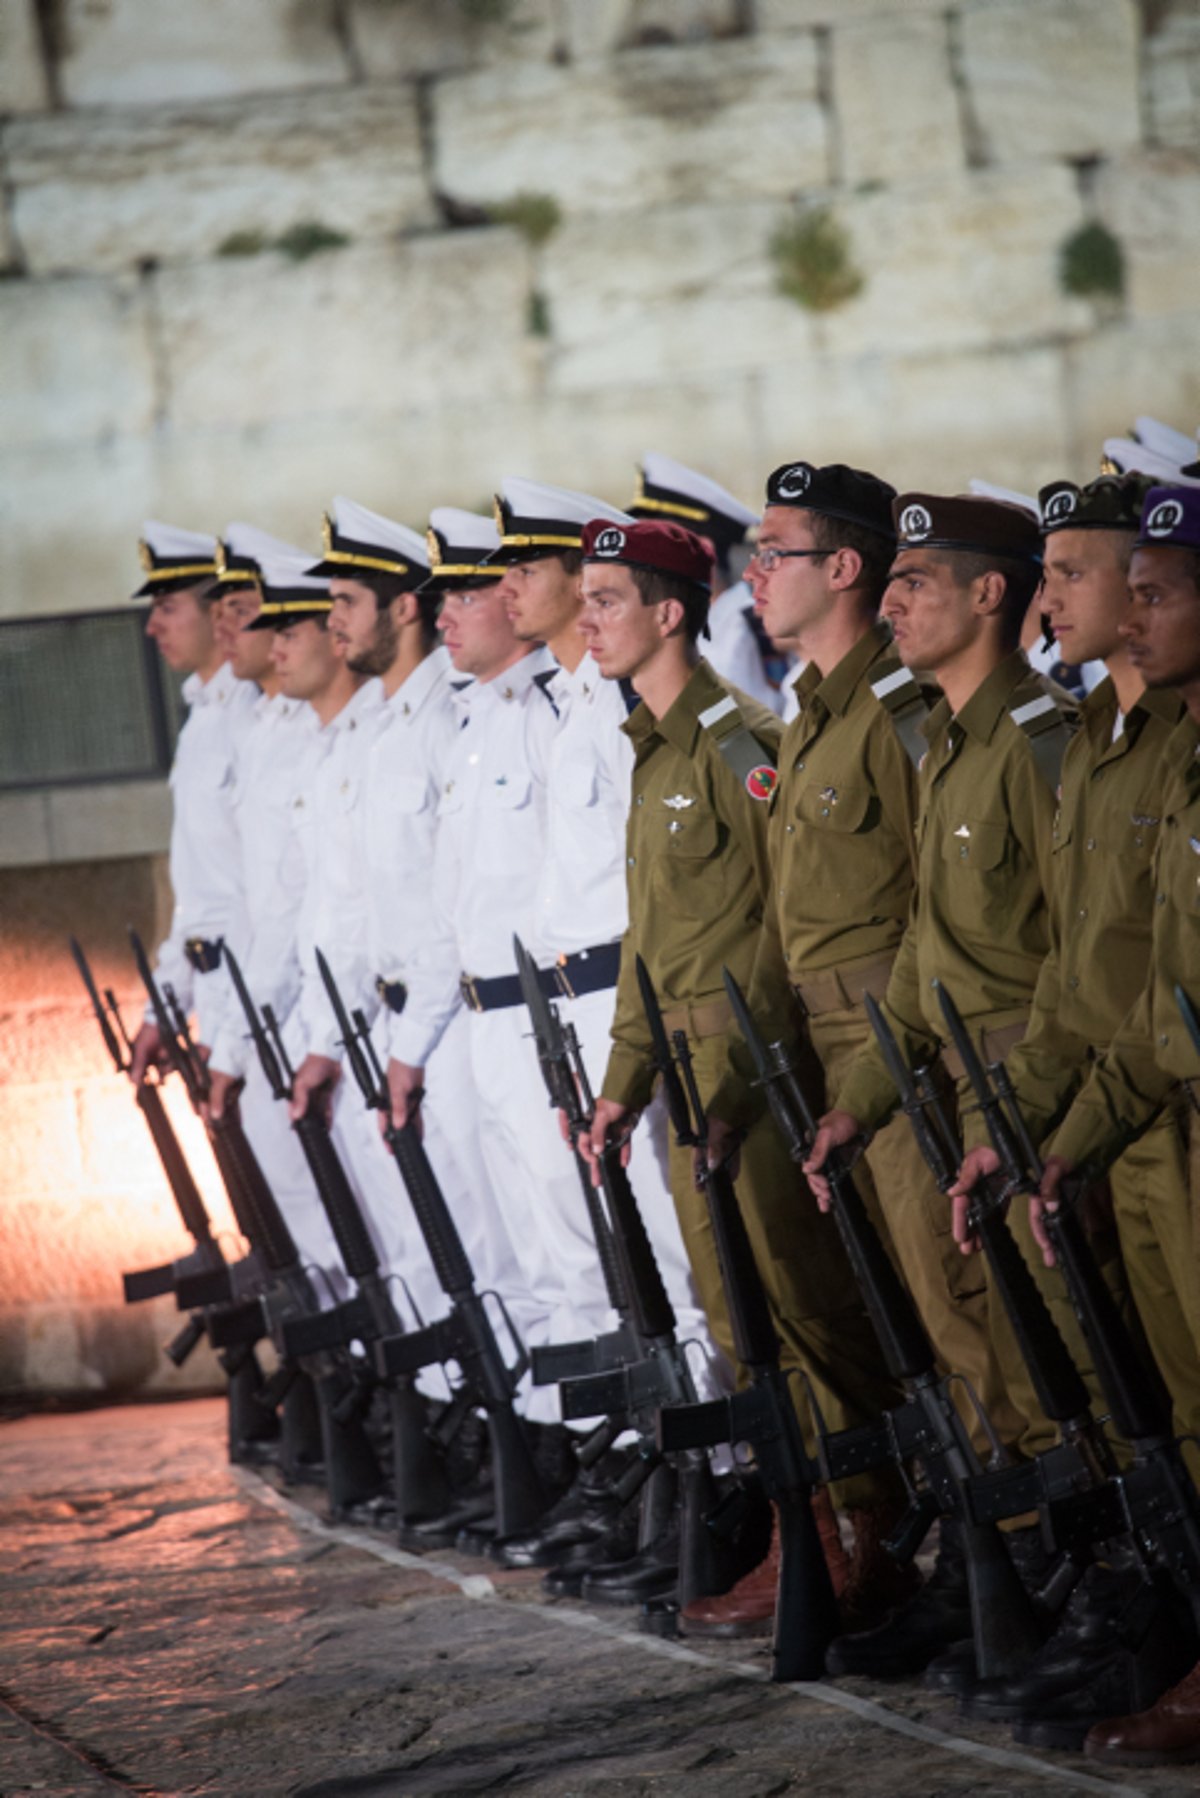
1084 1137
867 1093
413 1040
628 1079
230 1054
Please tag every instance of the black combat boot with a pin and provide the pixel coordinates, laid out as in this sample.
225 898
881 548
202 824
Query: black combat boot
938 1616
955 1670
582 1517
1123 1639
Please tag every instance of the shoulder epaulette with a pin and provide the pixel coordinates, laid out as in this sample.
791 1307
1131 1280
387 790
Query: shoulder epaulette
542 683
899 693
1049 731
739 748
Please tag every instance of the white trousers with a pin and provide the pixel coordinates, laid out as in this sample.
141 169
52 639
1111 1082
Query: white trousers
537 1186
282 1161
449 1113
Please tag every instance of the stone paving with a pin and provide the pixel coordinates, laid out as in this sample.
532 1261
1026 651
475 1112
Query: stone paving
171 1625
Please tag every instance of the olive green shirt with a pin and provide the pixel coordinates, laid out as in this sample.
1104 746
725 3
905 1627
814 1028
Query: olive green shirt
696 869
1102 895
841 847
1152 1051
984 845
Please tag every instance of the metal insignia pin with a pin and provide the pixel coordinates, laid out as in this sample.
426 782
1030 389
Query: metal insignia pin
679 802
964 830
829 794
674 825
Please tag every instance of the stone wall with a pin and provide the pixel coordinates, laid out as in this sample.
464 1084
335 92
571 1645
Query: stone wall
149 369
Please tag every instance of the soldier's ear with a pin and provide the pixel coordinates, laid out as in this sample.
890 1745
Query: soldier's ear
673 616
990 589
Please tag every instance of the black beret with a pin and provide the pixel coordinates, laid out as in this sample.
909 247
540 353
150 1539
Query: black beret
962 522
835 491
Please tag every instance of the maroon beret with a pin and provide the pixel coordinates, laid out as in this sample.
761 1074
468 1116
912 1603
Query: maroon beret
963 522
660 546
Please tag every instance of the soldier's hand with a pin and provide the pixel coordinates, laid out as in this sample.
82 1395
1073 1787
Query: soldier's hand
610 1122
834 1131
148 1051
222 1095
976 1164
1055 1170
724 1147
317 1075
406 1089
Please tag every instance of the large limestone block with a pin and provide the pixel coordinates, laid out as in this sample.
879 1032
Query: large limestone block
654 127
396 39
1130 367
23 86
376 328
70 517
923 421
963 264
142 52
1171 77
894 98
1052 77
1152 205
24 830
664 294
75 361
106 190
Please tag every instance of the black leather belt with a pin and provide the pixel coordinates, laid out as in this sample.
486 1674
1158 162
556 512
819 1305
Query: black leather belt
394 993
203 956
585 971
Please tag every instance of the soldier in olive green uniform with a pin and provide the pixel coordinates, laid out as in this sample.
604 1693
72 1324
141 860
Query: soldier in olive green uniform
843 865
1101 903
964 575
1151 1069
698 874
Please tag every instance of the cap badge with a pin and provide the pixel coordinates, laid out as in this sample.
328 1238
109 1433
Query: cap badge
145 555
434 545
761 781
794 481
678 802
915 522
1164 518
1061 504
610 542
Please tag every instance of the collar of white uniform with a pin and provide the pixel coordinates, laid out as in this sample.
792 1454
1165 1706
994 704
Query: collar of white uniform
516 681
427 678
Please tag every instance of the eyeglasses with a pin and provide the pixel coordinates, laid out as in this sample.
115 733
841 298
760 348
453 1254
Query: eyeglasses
769 559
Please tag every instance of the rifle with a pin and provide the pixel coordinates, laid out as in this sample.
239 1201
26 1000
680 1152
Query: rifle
639 1369
153 1282
1159 1503
269 1289
764 1416
1069 1484
466 1335
928 1426
370 1316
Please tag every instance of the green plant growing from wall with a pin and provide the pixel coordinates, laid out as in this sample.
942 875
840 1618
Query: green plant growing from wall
538 317
813 261
536 216
1091 263
309 238
243 243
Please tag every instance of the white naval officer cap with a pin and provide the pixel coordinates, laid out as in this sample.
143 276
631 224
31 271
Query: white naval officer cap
240 551
667 488
460 545
290 591
358 542
535 520
173 558
1153 449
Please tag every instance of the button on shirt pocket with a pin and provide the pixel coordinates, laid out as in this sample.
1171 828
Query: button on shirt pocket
689 876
